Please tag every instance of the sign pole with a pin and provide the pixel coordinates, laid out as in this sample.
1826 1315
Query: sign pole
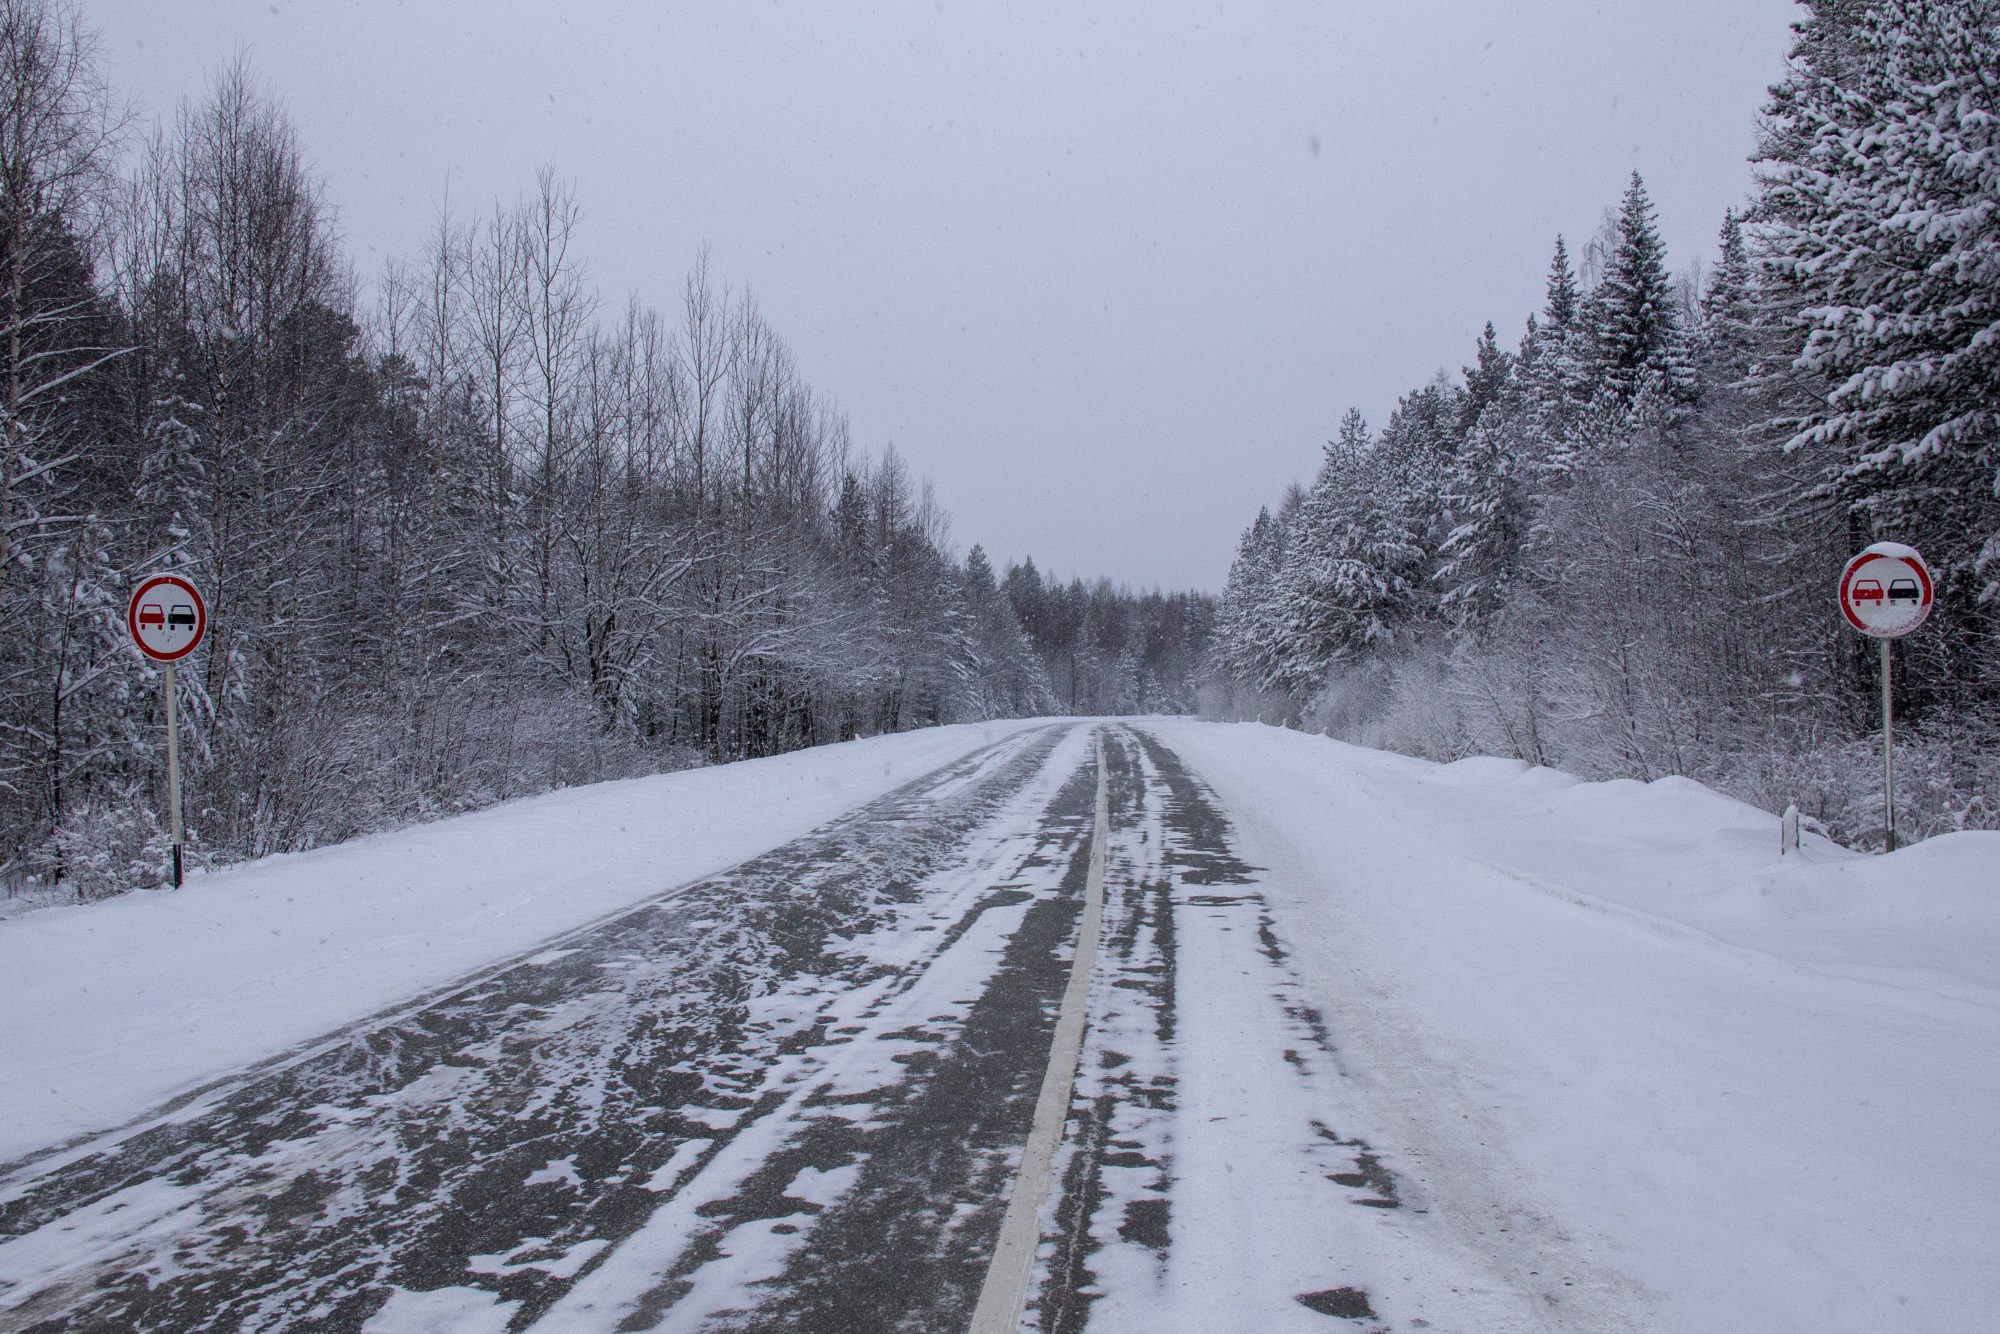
173 771
173 775
167 619
1888 757
1886 592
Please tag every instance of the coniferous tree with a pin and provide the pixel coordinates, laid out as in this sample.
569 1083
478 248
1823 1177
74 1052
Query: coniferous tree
1485 379
1245 643
1348 577
1013 680
1880 175
1486 496
1637 344
1727 340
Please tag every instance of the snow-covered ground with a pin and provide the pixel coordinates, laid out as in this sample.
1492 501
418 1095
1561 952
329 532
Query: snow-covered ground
112 1008
1648 1067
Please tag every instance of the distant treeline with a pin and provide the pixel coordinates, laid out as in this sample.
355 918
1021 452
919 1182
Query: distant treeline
1615 546
478 538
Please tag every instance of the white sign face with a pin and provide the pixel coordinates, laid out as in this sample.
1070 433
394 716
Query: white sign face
166 617
1886 591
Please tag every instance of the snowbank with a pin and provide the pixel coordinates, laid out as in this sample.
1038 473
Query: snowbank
1647 1065
111 1008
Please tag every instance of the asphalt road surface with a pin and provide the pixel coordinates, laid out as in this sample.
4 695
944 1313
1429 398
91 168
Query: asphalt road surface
790 1097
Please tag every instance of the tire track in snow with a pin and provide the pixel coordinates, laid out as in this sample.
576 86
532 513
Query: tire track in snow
870 1201
1209 1180
500 1139
1011 1268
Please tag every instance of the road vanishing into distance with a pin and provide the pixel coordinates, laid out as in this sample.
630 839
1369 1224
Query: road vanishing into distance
796 1096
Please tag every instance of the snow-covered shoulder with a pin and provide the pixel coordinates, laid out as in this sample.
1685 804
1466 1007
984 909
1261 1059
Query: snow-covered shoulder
1620 1039
1686 855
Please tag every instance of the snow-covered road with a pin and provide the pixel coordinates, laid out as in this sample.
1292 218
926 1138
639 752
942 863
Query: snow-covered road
1369 1044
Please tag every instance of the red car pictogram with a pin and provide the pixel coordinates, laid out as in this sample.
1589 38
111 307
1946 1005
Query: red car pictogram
1868 590
150 614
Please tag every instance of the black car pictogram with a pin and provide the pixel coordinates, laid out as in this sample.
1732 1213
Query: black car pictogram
1904 590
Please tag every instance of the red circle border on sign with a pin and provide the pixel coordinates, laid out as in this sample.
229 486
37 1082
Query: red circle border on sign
200 615
1854 564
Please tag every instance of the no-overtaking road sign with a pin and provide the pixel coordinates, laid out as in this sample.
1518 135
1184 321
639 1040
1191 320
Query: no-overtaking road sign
166 617
1886 591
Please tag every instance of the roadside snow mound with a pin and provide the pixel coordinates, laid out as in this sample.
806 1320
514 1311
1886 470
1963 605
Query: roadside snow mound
1685 853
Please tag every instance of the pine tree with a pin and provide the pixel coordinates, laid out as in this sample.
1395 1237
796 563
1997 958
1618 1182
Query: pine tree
1485 379
1246 630
1563 301
1350 571
1015 683
1729 315
1637 345
1881 208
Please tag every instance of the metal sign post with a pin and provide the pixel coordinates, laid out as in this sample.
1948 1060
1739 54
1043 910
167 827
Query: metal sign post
167 619
1885 593
174 777
1888 751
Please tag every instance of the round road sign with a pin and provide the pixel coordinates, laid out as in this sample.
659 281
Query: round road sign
1886 590
166 618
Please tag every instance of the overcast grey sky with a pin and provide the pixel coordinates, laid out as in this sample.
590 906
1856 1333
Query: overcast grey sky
1107 273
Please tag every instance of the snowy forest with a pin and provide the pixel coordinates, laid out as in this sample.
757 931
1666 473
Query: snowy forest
1614 546
465 530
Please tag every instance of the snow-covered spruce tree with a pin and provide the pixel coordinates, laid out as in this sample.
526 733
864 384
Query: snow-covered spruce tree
1563 302
1726 343
1351 569
1486 379
1478 491
1637 345
1562 338
1487 497
1411 465
1242 649
1560 380
1013 682
1617 373
1880 213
